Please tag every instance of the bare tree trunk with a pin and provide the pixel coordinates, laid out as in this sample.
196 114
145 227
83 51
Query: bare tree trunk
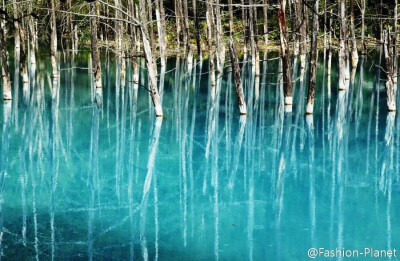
178 16
150 23
220 45
325 23
16 25
313 61
238 81
245 25
5 69
53 37
286 67
211 49
186 33
22 53
254 40
362 10
118 29
197 29
354 52
265 24
391 87
160 16
230 8
343 55
31 31
95 50
395 38
151 65
329 55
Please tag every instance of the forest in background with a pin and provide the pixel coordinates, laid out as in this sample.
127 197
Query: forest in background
210 29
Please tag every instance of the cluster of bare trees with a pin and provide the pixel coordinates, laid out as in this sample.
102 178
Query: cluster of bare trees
140 28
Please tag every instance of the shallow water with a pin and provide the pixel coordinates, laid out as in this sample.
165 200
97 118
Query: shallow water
110 181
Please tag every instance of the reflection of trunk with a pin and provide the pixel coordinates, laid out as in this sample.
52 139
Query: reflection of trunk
53 36
4 65
95 51
313 62
287 78
238 82
5 139
391 87
152 157
151 65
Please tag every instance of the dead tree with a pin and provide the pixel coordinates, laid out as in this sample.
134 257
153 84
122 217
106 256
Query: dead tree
160 17
4 64
197 29
53 37
238 81
395 38
31 34
265 21
22 53
150 61
16 25
95 49
362 10
313 61
220 45
210 43
343 54
354 52
287 75
391 87
254 38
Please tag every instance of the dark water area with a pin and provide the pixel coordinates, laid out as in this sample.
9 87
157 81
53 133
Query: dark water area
108 180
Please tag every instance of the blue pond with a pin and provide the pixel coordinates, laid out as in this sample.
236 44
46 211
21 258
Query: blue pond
104 179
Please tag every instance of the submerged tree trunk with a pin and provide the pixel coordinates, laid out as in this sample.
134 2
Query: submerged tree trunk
151 65
287 77
95 50
53 37
391 87
238 81
4 64
313 61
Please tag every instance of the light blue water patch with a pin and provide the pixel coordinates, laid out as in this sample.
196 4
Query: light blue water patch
96 176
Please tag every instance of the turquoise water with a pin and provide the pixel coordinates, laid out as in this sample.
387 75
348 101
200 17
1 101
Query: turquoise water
106 180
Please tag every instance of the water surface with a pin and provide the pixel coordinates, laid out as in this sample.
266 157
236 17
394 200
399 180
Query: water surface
106 180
